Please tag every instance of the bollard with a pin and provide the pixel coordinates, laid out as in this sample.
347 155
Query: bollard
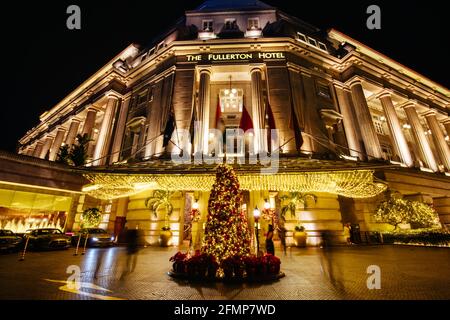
78 245
85 244
24 249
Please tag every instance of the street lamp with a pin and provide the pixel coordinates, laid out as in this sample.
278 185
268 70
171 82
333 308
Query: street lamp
266 205
256 215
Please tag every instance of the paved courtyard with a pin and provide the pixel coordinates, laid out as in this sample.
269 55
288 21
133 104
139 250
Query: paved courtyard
313 273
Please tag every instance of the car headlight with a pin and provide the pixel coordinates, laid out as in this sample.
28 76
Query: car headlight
94 239
112 238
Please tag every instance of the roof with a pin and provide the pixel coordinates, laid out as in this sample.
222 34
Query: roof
236 5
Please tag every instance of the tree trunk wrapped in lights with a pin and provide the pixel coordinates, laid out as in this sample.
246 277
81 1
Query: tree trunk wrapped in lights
226 233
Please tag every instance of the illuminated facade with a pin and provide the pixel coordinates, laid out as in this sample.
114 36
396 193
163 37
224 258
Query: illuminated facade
337 105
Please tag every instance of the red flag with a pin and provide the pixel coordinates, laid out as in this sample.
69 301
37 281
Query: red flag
246 122
269 116
218 113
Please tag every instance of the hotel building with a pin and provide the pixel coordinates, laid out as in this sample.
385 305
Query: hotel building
351 123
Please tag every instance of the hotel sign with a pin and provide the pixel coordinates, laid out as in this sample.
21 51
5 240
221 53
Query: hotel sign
220 57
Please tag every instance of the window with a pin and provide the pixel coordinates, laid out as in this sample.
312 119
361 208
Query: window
230 24
387 152
323 90
322 46
301 37
159 46
207 25
312 41
142 98
253 24
378 126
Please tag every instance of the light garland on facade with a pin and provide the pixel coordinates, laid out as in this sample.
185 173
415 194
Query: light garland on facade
352 183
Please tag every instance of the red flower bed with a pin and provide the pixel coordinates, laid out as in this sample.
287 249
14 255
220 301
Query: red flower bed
202 266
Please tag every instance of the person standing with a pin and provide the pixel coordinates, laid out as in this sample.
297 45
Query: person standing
132 239
282 236
269 241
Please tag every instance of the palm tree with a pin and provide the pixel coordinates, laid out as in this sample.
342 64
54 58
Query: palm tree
294 198
161 198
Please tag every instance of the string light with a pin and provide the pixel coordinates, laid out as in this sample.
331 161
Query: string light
351 183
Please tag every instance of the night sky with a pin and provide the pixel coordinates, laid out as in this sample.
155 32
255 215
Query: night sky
43 61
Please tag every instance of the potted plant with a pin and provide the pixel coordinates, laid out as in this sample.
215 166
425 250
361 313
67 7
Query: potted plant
197 265
293 200
161 199
228 267
212 266
272 264
251 263
299 236
179 262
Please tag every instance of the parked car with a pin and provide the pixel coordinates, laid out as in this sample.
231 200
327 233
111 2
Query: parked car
9 241
96 237
47 238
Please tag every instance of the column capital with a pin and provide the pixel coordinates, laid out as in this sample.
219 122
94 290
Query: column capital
429 113
111 94
386 92
256 68
339 85
355 80
446 121
409 104
75 120
206 70
49 136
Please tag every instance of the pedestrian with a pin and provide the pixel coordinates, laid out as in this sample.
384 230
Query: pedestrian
347 233
282 235
132 240
270 248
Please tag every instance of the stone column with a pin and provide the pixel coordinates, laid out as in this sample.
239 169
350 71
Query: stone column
120 130
439 139
73 130
89 122
104 136
258 110
38 149
419 136
47 145
343 95
395 128
368 133
203 110
57 143
446 124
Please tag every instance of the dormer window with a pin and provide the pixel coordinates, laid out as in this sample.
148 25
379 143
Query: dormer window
230 24
159 46
301 37
207 25
322 46
313 42
253 24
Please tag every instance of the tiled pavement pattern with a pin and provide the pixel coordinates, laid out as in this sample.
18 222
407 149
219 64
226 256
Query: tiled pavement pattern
313 273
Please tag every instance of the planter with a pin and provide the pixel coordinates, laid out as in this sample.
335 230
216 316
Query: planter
300 238
212 272
179 267
164 238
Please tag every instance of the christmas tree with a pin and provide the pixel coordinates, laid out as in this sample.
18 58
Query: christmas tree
226 233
